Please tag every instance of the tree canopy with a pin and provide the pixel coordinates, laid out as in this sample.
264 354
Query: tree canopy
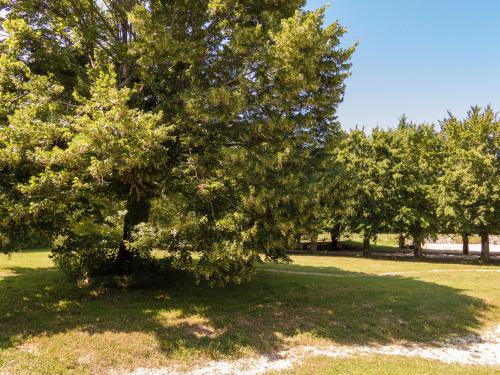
469 188
128 124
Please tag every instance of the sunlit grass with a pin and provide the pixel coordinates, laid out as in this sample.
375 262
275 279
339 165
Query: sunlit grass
382 365
50 326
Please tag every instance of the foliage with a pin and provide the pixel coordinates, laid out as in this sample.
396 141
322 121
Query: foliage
389 180
366 162
469 188
416 161
80 255
191 125
208 129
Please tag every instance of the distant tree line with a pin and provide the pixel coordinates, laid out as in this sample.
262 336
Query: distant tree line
416 180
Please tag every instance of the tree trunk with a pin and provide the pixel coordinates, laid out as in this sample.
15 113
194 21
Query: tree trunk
485 246
402 241
335 242
418 248
296 241
465 244
366 246
137 212
313 245
335 235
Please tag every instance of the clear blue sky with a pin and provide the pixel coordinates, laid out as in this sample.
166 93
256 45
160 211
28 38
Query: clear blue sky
418 57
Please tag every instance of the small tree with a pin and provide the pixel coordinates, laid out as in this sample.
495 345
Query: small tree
365 161
416 153
469 188
333 188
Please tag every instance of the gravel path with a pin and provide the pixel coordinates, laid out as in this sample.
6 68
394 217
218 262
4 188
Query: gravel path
474 248
470 350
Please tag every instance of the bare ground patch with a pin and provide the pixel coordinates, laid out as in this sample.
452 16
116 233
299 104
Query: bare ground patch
481 350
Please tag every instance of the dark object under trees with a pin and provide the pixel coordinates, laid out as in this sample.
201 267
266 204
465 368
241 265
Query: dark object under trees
366 246
402 241
417 250
465 244
485 246
335 233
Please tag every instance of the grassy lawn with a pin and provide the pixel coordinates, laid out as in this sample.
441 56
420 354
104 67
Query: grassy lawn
382 365
50 326
386 242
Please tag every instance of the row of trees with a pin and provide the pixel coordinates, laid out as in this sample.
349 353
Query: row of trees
417 181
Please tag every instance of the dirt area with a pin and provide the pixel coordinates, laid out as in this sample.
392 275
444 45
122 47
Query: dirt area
481 349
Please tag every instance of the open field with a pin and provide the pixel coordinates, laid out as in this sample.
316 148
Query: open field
357 312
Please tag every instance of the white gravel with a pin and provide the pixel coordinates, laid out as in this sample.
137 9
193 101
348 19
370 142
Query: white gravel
470 350
473 248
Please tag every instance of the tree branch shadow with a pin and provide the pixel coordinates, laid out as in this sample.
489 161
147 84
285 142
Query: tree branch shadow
261 315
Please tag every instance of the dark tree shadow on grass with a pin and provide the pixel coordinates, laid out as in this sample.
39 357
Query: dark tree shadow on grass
257 314
436 257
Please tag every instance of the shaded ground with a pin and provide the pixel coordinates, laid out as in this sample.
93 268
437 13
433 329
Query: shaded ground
47 325
404 255
354 249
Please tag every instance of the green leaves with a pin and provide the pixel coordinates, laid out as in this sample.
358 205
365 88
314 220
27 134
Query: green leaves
417 156
469 189
196 126
366 163
389 178
113 142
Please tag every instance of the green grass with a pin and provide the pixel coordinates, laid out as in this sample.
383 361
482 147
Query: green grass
355 242
382 365
386 242
50 326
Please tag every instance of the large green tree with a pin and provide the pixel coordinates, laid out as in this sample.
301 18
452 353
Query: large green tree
126 124
469 188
